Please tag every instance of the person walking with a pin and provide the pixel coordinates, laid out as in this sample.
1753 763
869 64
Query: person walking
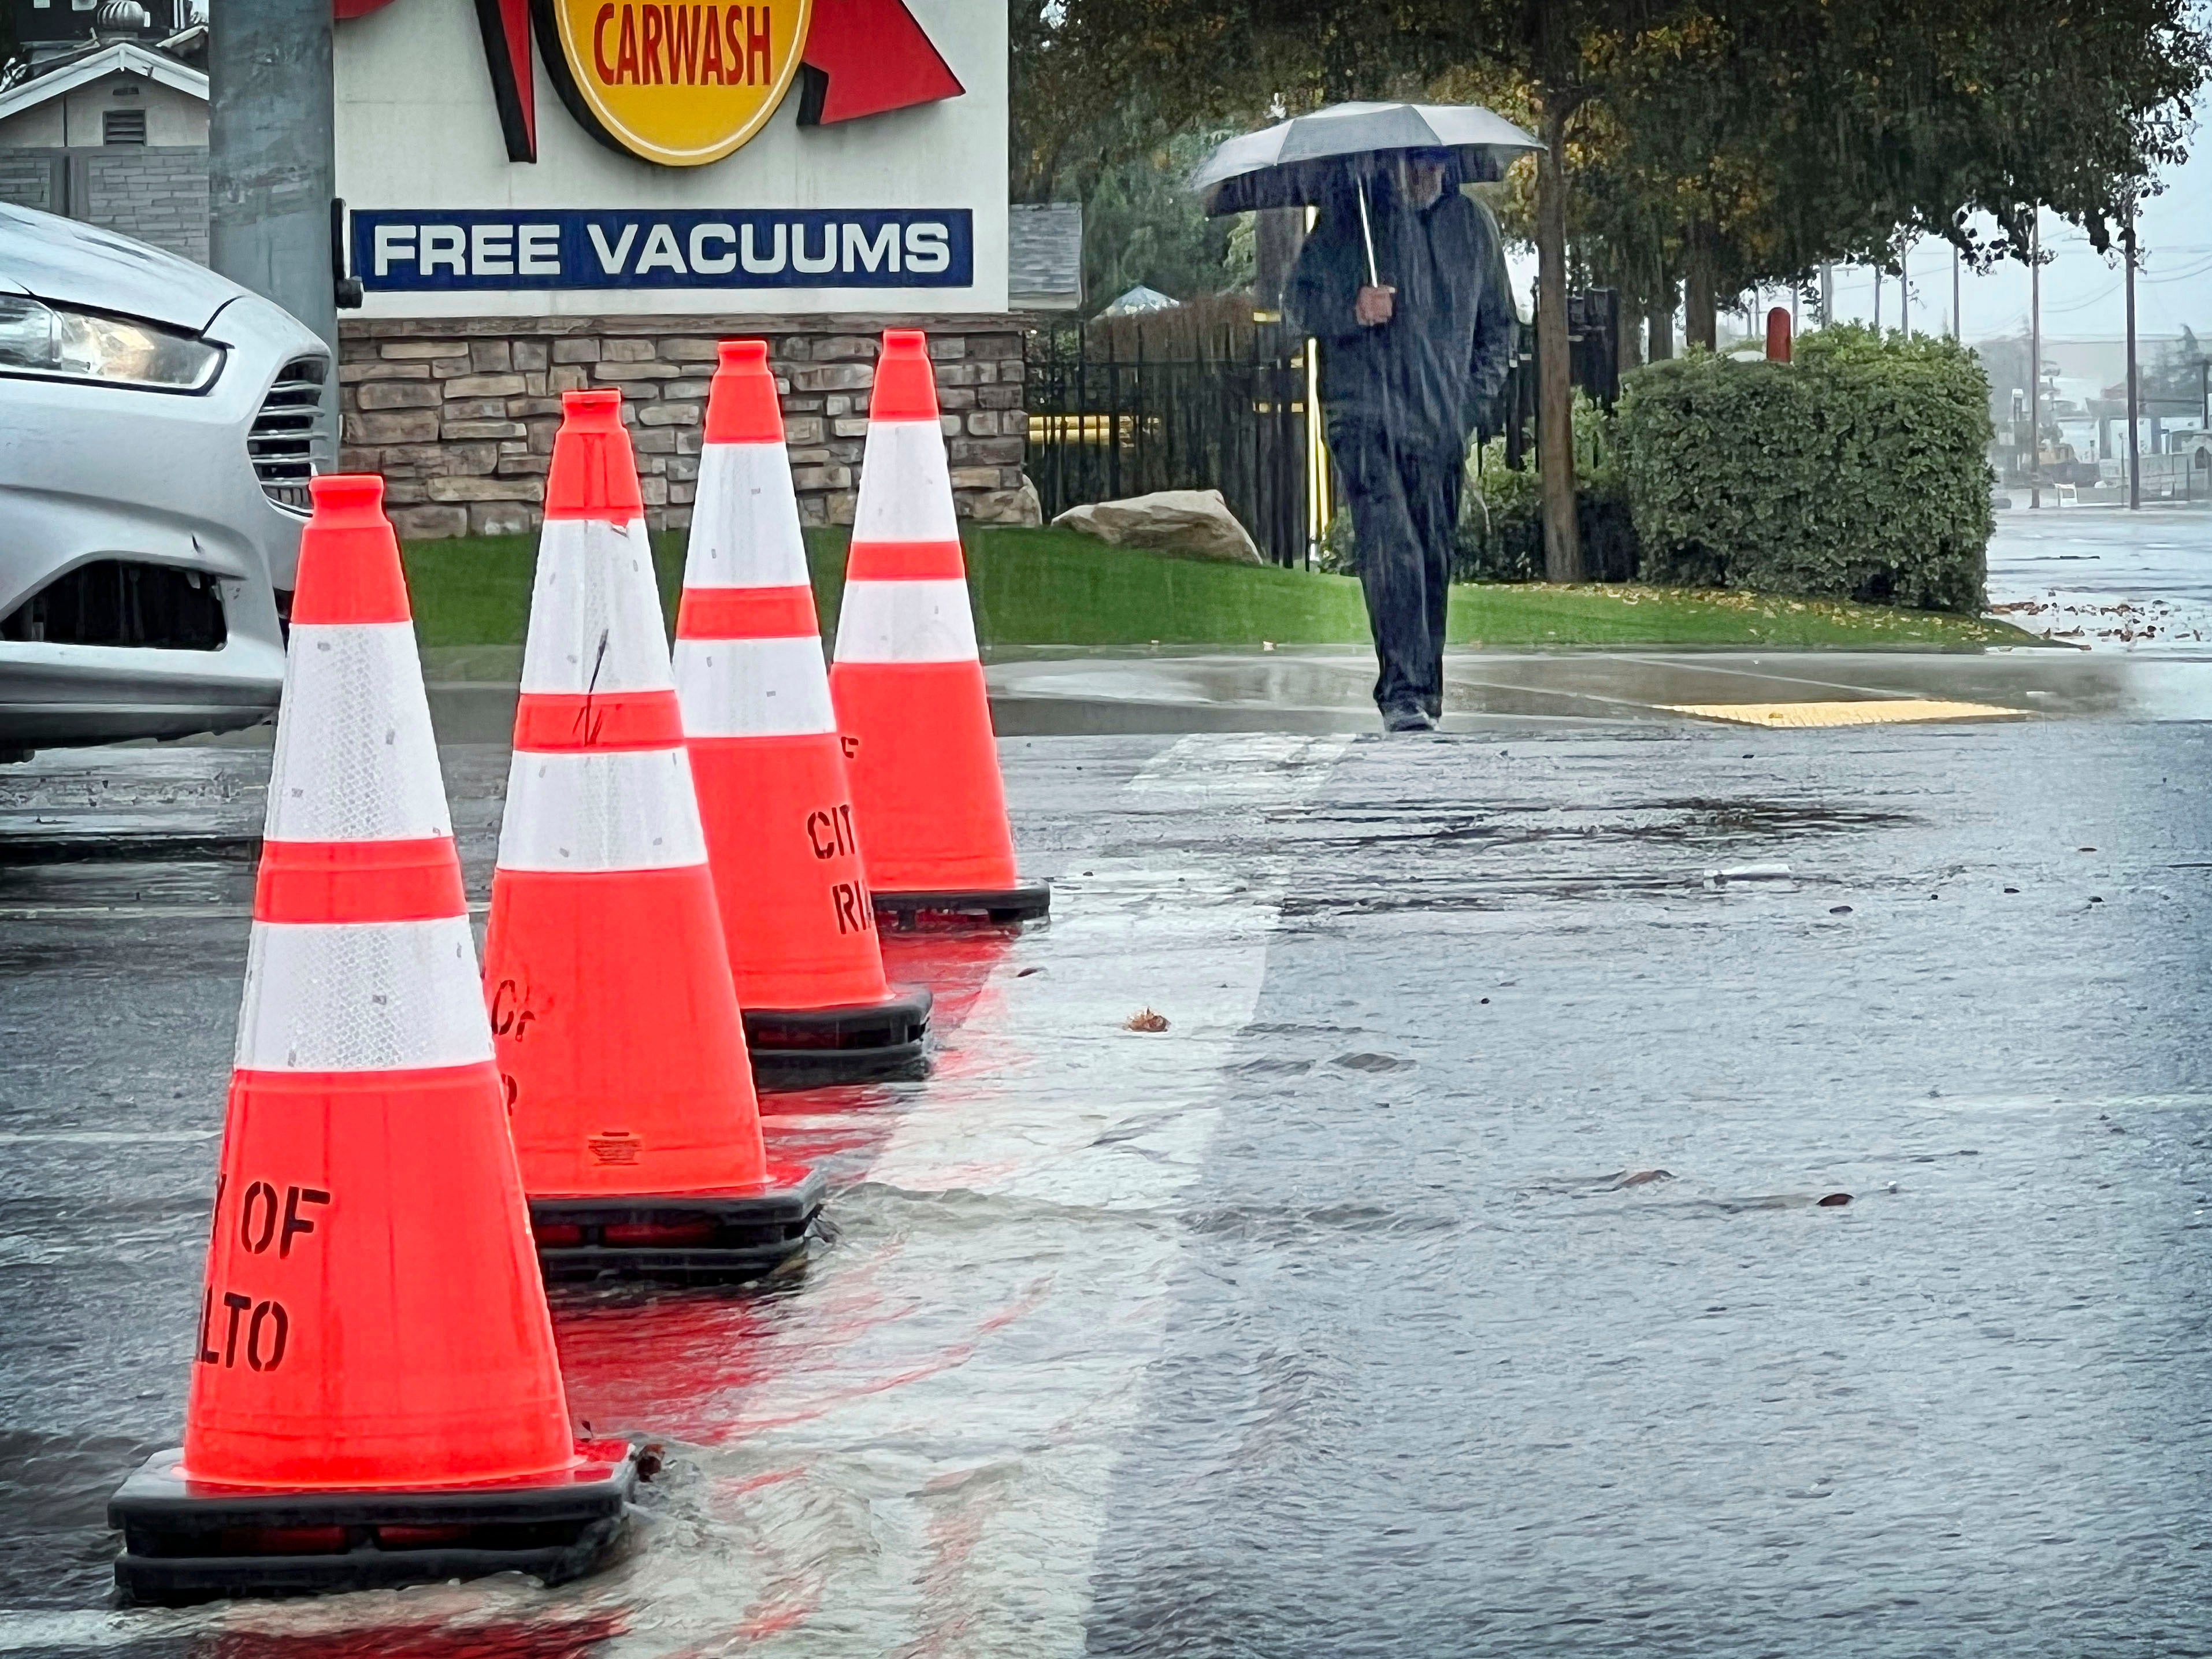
1402 280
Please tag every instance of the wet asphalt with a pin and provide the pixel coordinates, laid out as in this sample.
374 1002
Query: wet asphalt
2106 577
1450 1276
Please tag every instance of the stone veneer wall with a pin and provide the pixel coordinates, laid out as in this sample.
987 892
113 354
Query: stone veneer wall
157 193
458 414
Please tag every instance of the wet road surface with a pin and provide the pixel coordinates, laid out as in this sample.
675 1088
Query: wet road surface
1449 1275
2106 577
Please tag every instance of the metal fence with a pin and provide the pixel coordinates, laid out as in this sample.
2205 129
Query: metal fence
1225 408
1103 425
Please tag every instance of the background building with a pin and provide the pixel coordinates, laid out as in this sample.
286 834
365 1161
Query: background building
103 118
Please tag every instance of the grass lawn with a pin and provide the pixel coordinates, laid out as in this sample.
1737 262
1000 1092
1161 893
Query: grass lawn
1052 587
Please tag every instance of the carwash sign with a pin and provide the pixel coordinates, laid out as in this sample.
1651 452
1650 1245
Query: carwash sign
682 82
677 84
437 249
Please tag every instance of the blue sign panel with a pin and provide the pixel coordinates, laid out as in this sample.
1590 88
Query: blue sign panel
436 251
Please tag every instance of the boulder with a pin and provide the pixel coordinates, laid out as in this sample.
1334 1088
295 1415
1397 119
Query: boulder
1195 521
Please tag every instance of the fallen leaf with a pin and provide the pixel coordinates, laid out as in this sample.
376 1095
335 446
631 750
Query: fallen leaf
1146 1020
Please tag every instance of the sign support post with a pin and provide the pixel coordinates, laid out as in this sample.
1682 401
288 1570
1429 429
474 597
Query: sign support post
272 163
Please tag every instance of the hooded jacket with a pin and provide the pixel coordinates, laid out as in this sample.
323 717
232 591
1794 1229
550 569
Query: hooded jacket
1425 380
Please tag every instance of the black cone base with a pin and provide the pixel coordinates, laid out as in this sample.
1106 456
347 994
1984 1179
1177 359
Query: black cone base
679 1238
184 1542
1031 901
798 1047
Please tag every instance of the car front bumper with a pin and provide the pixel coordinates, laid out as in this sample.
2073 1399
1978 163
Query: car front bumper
95 472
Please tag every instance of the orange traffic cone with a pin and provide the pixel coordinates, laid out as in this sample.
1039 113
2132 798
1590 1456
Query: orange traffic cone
908 684
612 1009
765 754
375 1398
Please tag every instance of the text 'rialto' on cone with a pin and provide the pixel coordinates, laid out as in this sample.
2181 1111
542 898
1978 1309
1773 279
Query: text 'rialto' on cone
372 1333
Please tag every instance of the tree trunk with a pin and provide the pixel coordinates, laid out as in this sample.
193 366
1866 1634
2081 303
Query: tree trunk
1630 354
1701 320
1662 324
1278 235
1555 443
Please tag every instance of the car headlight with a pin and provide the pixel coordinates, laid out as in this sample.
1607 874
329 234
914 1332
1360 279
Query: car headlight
81 345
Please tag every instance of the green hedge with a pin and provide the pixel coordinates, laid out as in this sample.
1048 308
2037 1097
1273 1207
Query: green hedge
1501 520
1857 472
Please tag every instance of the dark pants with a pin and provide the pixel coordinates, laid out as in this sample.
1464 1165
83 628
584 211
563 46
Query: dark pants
1405 517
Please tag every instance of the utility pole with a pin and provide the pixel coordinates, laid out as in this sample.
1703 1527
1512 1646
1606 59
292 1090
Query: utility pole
1877 299
2035 361
272 162
1957 328
1904 289
1828 295
2135 387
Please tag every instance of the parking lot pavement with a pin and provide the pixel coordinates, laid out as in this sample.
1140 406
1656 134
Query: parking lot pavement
2106 577
1487 692
1329 688
1449 1275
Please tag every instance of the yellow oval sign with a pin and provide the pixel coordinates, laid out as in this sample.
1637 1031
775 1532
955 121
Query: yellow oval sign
676 83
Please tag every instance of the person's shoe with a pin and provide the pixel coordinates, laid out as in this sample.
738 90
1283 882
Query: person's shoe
1407 717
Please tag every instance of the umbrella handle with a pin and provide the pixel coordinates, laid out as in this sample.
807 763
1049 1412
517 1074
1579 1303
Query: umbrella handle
1366 231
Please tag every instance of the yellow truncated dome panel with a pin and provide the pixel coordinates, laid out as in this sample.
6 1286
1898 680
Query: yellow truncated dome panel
680 84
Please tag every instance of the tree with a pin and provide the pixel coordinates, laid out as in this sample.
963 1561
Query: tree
1078 136
2175 374
1803 131
1725 143
1141 223
1214 58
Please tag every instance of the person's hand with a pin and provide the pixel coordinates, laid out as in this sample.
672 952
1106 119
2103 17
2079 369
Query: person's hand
1372 307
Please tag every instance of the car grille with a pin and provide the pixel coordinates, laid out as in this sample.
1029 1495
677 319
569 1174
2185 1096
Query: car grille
122 602
285 434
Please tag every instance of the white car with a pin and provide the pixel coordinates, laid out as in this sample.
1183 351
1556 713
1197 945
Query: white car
158 425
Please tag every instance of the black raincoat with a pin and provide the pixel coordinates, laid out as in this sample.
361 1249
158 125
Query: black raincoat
1400 400
1429 376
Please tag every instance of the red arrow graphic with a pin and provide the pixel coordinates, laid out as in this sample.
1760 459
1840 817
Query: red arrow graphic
865 56
505 26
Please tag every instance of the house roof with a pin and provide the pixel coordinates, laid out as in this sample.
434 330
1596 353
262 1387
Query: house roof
1139 301
124 57
1044 256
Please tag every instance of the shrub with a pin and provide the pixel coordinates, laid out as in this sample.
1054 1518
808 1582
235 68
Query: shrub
1857 472
1501 521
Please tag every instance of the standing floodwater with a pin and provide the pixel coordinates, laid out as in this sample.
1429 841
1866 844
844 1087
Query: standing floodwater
1353 1313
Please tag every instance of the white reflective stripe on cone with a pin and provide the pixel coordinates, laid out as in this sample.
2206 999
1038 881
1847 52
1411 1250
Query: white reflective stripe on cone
906 621
753 688
355 759
623 809
362 996
595 610
906 487
744 520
